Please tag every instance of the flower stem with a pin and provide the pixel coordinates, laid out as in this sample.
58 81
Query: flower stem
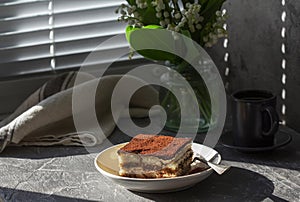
176 6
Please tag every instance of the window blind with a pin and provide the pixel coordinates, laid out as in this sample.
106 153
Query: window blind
40 36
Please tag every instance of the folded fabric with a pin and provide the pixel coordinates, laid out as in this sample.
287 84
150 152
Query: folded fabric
46 118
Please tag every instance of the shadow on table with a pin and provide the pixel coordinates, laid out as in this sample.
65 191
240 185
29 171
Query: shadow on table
7 194
42 152
281 158
285 157
235 185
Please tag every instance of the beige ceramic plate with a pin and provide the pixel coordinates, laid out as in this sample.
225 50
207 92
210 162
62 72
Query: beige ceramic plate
106 163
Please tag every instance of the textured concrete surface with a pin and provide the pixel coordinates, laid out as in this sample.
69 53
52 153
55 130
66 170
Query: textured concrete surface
68 174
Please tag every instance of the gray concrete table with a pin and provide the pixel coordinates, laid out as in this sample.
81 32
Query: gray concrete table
68 174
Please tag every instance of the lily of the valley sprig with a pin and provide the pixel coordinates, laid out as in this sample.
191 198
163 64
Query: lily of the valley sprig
203 19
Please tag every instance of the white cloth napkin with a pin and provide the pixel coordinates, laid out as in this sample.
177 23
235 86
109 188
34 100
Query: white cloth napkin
45 118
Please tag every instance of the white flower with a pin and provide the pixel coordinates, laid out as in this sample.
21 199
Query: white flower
162 23
136 14
181 24
158 15
215 39
219 13
170 27
167 21
139 24
220 31
198 26
208 44
130 11
145 5
166 14
123 12
154 3
158 9
192 28
131 22
220 35
160 5
177 16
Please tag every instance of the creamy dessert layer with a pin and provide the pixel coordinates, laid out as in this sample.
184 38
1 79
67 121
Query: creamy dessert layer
150 156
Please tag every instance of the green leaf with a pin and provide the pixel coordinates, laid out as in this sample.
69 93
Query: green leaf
203 3
209 9
141 38
186 33
148 16
130 29
131 2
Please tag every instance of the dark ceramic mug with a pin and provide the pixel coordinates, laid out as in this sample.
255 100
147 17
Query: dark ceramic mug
255 120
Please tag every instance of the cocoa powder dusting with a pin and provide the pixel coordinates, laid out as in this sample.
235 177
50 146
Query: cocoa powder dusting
161 146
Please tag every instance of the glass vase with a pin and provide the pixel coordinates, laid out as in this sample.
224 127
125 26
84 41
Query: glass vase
171 105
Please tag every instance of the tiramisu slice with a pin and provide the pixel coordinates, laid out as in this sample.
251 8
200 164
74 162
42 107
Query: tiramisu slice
152 156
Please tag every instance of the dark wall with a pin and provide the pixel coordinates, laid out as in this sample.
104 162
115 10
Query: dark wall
255 41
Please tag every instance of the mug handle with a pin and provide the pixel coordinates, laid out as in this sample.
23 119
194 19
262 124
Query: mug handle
274 120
